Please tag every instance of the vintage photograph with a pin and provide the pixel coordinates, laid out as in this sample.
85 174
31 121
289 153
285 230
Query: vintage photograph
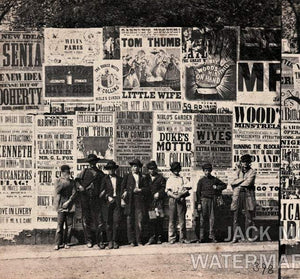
149 139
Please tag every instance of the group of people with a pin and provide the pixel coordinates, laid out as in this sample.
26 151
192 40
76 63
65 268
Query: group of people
158 66
104 197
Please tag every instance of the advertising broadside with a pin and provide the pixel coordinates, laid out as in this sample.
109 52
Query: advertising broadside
290 159
267 198
258 82
173 141
287 63
108 82
151 60
290 136
209 59
74 83
134 134
17 188
213 140
78 46
290 221
55 146
94 135
256 131
21 59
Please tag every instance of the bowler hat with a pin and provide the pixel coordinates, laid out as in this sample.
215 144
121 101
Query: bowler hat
246 158
111 165
136 162
175 166
151 165
207 166
92 158
65 168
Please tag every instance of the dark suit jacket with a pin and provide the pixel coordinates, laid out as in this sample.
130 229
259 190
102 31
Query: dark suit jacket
90 179
157 185
109 190
135 201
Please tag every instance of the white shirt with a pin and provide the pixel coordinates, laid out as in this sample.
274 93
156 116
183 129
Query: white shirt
113 180
153 177
137 179
175 184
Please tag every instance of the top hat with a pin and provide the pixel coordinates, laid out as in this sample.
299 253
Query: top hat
92 158
175 166
65 168
151 165
246 158
136 162
111 165
207 166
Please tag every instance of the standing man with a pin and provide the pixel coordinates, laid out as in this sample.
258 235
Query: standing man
64 195
177 192
156 203
111 184
243 200
209 188
135 191
89 186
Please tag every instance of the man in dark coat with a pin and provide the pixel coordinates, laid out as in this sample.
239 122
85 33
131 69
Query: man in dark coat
111 184
209 188
135 191
64 196
89 186
156 203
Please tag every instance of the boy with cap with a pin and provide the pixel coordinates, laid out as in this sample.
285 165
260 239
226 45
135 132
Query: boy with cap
135 191
209 188
89 186
156 202
111 183
177 192
64 195
243 202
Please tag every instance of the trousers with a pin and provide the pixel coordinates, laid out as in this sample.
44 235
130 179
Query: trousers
93 214
177 210
207 218
64 236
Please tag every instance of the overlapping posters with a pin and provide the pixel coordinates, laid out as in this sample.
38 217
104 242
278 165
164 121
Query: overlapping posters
17 188
55 146
256 132
94 135
21 59
151 60
173 141
290 221
267 197
134 135
290 135
287 79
